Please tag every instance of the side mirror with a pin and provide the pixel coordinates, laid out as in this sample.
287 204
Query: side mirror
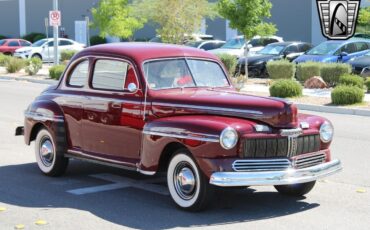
343 54
132 87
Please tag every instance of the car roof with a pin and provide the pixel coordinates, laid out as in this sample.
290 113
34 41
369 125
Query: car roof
346 41
140 51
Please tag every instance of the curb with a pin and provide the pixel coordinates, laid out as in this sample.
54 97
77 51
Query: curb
337 110
40 81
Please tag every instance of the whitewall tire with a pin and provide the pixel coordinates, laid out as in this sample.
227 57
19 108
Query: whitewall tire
49 154
188 187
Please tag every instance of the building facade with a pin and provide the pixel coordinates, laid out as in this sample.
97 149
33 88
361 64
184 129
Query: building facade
295 19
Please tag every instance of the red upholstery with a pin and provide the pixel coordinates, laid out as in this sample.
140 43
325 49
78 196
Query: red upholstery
130 77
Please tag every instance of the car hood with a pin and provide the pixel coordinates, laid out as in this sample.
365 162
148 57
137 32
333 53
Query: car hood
24 49
235 52
227 102
316 58
361 62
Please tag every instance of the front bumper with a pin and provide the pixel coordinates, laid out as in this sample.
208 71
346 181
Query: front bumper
290 176
21 55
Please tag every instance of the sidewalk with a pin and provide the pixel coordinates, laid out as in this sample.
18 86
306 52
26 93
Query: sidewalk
42 77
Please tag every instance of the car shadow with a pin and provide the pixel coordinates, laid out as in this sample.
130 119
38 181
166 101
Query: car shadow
23 185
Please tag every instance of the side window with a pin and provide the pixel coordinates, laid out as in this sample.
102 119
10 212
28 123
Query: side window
79 76
110 75
50 44
292 49
208 46
24 43
361 46
348 48
65 43
13 43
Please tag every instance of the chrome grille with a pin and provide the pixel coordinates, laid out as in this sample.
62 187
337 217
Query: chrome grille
309 160
281 146
261 165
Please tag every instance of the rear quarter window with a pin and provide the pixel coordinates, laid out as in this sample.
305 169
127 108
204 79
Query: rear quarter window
78 77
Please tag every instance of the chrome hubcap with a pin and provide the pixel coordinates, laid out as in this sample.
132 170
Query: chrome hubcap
46 151
185 181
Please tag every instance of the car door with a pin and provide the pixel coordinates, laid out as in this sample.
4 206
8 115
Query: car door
112 116
13 46
65 45
361 49
47 51
71 101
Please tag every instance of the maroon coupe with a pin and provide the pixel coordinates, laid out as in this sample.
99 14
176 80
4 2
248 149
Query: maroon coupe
164 108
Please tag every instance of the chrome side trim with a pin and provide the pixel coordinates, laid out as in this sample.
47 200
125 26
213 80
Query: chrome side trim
148 173
213 109
79 154
284 177
191 136
43 117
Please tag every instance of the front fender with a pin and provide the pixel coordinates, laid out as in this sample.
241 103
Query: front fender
198 133
46 113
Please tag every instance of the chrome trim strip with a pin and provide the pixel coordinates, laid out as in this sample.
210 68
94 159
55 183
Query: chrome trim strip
291 132
43 117
79 153
261 165
285 177
148 173
214 109
206 137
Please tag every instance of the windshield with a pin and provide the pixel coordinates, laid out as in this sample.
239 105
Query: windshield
2 42
272 49
39 43
235 43
180 73
194 44
324 48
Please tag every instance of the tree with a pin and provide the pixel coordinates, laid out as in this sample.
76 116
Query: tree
175 18
363 20
247 16
116 18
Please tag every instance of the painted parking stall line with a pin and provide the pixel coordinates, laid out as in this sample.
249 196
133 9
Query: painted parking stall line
119 182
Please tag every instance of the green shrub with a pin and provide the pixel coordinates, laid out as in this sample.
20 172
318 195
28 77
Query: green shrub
281 69
306 70
367 84
33 66
97 40
351 80
331 72
2 37
286 88
56 72
4 59
229 62
347 95
33 37
67 55
14 65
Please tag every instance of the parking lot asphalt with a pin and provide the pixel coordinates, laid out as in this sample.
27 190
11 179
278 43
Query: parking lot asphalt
97 197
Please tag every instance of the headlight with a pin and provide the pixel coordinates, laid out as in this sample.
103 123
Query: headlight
326 132
228 138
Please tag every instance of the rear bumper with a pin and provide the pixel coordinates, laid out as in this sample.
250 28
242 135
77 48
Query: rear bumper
290 176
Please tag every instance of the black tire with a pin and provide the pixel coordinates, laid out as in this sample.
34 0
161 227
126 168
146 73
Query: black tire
295 189
197 197
50 154
37 56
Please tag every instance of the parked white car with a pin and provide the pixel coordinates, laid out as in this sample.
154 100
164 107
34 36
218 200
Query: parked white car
206 45
44 49
237 45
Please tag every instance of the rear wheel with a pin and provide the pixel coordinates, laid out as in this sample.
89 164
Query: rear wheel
189 188
295 189
37 56
49 155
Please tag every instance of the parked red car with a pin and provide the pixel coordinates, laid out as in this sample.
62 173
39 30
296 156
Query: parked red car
9 46
155 107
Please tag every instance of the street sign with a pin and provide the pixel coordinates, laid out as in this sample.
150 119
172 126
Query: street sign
55 18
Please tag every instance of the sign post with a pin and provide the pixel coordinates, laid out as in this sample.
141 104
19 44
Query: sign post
55 21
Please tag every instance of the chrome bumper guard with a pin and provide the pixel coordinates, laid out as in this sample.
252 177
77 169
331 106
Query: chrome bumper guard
289 176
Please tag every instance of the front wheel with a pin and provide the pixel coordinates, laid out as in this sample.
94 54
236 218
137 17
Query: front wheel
188 187
49 154
295 189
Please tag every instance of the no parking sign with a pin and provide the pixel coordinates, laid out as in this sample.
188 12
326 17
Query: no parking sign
55 18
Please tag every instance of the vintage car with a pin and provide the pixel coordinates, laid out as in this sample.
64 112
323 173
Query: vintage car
164 108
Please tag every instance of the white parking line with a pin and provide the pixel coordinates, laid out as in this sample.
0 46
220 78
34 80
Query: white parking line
122 182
